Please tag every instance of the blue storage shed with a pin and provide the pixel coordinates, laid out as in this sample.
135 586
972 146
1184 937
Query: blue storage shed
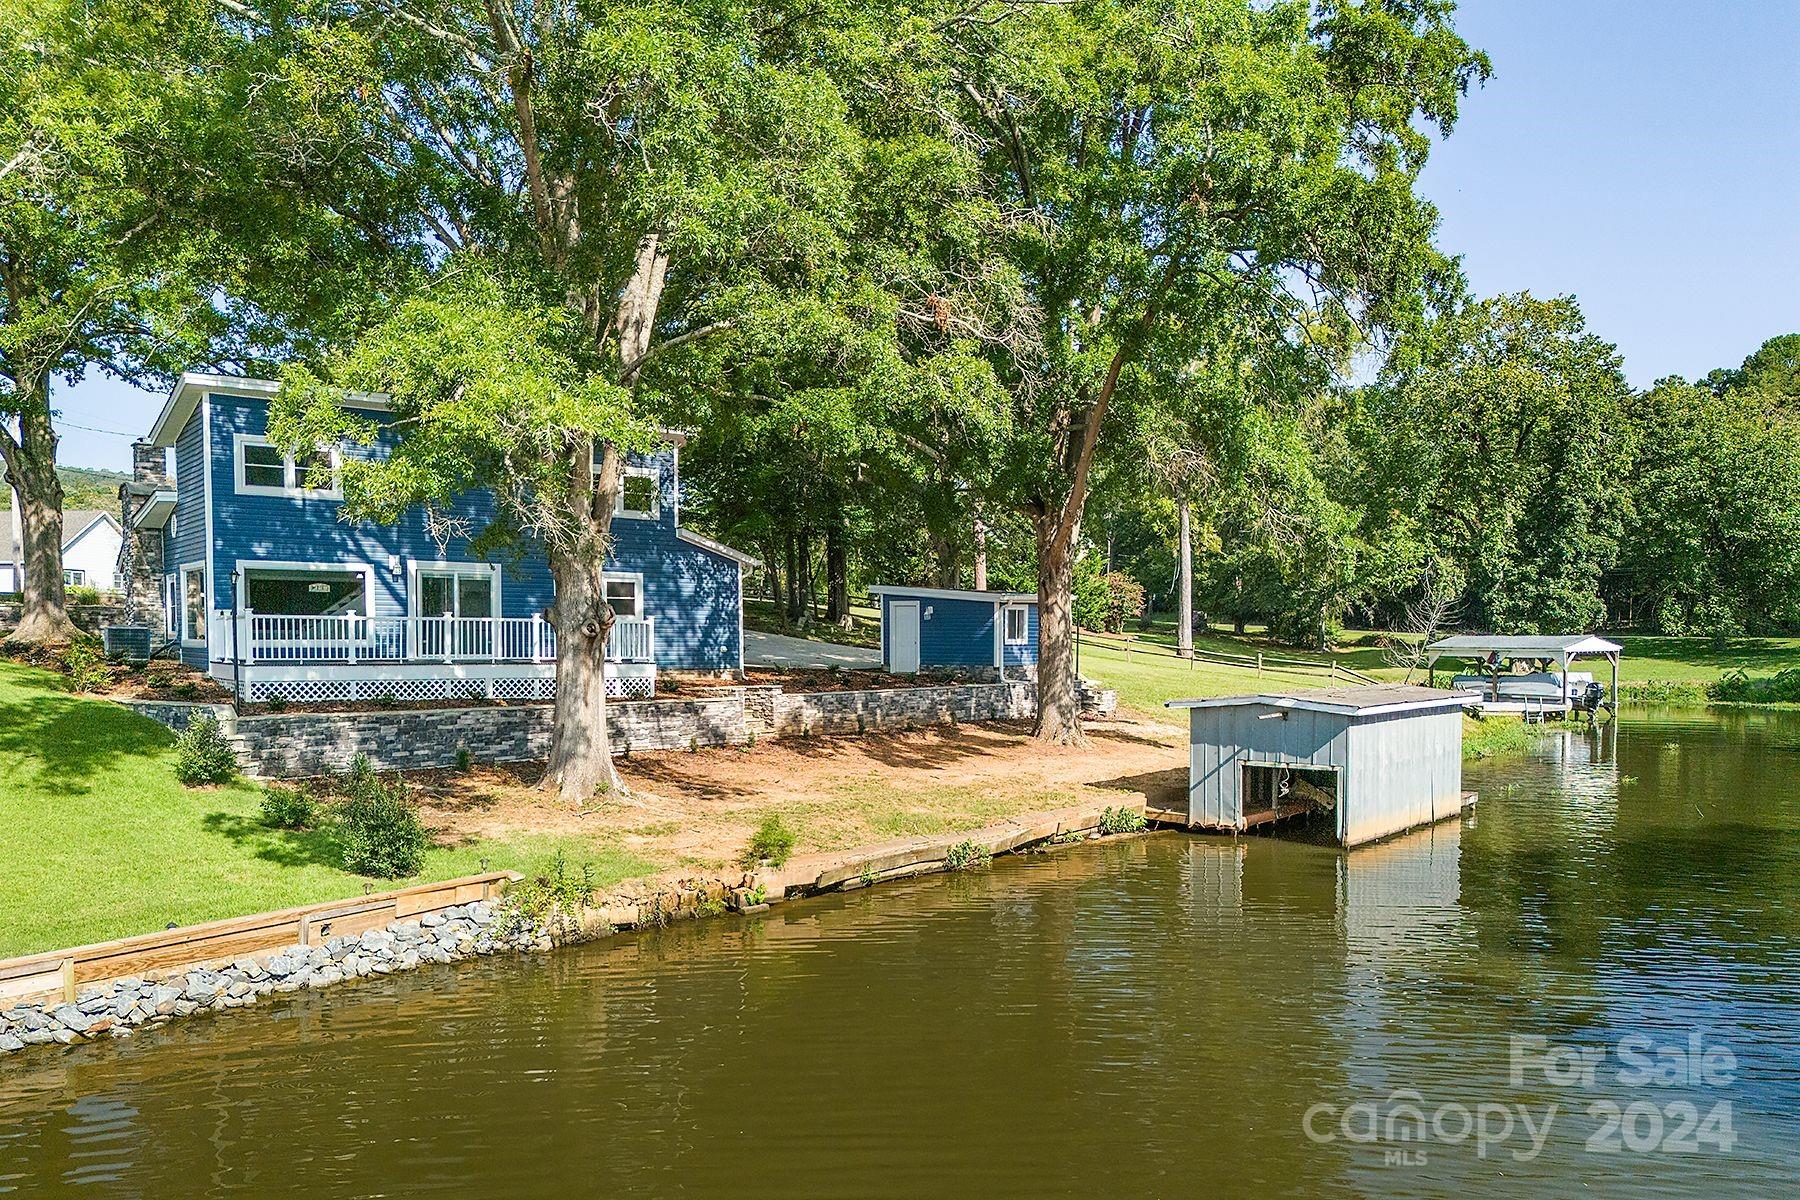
985 633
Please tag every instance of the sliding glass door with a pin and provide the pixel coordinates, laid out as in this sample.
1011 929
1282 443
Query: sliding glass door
467 598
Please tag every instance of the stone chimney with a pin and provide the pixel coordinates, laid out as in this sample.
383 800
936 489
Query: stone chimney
149 464
141 550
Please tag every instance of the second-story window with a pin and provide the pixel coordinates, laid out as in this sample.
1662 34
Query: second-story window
264 469
640 493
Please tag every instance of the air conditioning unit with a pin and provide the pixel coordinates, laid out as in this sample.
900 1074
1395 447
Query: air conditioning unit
128 642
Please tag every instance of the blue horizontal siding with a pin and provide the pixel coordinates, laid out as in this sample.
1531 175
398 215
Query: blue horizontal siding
692 592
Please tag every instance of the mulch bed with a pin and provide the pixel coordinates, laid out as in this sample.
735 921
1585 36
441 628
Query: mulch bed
160 679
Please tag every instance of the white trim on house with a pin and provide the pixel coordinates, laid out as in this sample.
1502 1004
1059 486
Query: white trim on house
999 651
636 514
185 396
291 487
417 567
1024 638
740 623
206 495
956 594
181 587
240 595
719 548
636 578
157 510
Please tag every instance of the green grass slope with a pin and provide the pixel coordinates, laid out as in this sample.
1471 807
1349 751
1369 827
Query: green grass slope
100 841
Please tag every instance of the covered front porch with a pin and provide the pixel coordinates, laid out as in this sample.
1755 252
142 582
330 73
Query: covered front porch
322 644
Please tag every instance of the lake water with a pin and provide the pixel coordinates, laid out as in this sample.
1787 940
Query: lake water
1163 1016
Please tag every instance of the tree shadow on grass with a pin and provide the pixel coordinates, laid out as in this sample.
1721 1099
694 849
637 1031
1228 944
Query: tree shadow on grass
72 739
283 847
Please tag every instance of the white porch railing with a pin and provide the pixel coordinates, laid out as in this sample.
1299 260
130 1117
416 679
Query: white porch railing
351 638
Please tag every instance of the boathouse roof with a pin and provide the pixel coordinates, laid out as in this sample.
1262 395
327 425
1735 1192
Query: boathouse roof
1345 701
1529 645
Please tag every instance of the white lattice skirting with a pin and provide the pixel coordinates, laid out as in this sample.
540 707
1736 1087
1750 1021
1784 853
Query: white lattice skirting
499 687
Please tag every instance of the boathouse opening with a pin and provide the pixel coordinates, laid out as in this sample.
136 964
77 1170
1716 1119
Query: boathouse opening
1281 791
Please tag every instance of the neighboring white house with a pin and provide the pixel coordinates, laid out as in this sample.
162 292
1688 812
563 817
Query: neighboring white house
91 542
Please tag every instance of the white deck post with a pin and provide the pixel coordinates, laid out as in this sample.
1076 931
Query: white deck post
350 620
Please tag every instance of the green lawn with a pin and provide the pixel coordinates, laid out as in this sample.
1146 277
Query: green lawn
1144 681
865 630
100 841
1646 659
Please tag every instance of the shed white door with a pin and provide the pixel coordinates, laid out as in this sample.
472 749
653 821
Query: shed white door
903 637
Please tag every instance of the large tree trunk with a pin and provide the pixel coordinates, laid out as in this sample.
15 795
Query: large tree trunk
837 577
580 761
1059 704
1184 608
948 569
30 464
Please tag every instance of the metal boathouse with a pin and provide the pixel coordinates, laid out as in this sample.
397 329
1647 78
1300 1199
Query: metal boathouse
1380 759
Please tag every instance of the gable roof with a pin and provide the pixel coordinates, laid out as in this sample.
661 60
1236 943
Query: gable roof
1345 701
720 548
76 522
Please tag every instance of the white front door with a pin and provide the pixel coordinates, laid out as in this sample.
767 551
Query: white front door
903 637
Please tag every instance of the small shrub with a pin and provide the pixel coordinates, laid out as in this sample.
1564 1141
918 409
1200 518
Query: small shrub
381 833
552 901
84 594
464 760
288 808
1783 687
772 843
86 665
186 689
755 896
1121 820
276 704
158 679
966 855
202 754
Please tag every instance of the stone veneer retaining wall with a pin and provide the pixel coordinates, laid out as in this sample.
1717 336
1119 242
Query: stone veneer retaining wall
297 744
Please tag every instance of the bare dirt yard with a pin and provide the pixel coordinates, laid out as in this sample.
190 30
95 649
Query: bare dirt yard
697 809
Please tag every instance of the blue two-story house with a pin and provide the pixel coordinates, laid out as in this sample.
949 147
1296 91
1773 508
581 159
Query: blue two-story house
266 585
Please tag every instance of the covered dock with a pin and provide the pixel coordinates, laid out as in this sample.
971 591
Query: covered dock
1547 686
1370 760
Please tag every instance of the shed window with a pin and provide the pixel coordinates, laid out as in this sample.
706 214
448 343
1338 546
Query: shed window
1018 625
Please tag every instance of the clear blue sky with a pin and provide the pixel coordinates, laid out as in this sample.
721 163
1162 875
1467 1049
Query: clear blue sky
1643 155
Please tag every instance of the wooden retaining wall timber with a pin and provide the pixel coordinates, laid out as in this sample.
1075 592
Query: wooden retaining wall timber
61 972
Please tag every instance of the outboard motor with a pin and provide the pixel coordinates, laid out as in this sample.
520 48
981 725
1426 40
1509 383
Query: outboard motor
1591 698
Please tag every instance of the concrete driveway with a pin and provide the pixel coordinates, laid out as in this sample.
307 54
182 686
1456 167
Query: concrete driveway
778 650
